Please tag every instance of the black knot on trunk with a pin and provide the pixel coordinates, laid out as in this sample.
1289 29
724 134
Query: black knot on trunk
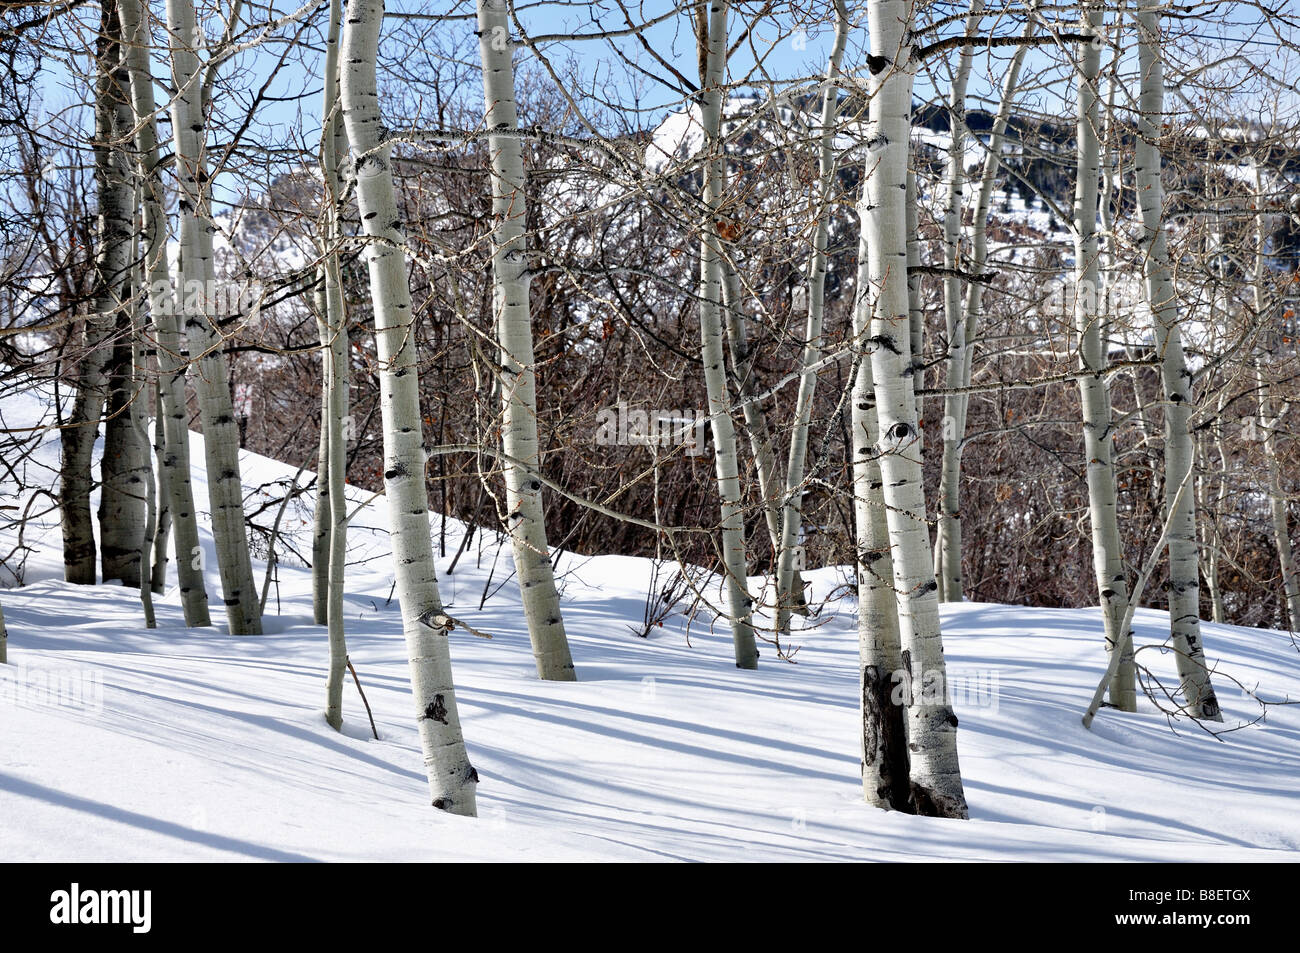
436 710
900 431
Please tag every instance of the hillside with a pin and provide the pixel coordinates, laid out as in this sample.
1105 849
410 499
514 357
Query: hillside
174 744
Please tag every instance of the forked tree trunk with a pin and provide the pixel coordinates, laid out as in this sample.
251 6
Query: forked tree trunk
174 472
713 43
197 270
1107 545
935 776
451 776
1175 377
526 521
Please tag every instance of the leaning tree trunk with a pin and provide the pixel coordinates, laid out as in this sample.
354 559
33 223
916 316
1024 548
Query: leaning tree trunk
525 519
197 269
787 599
1107 545
947 547
935 777
451 776
1175 378
174 472
713 39
113 231
880 654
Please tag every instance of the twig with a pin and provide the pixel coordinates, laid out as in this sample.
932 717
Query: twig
356 681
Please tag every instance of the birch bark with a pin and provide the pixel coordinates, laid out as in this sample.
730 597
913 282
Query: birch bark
935 777
1270 419
739 603
525 516
947 550
1107 545
174 472
791 510
451 776
1176 378
113 231
880 653
334 361
197 271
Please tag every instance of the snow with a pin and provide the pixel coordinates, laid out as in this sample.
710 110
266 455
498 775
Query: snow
676 139
174 744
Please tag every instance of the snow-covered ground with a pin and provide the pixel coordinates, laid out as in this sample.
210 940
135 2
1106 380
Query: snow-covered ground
118 743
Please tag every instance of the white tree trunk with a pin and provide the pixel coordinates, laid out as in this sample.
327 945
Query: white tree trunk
947 550
935 776
125 469
1107 545
174 472
739 603
114 226
197 270
163 524
451 776
322 521
332 321
526 520
792 512
1270 420
756 425
880 660
1176 379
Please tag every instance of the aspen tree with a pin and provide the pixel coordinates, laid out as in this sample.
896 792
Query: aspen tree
947 547
525 519
1175 377
174 470
114 226
451 776
332 327
713 43
935 776
1107 545
791 511
880 654
197 273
